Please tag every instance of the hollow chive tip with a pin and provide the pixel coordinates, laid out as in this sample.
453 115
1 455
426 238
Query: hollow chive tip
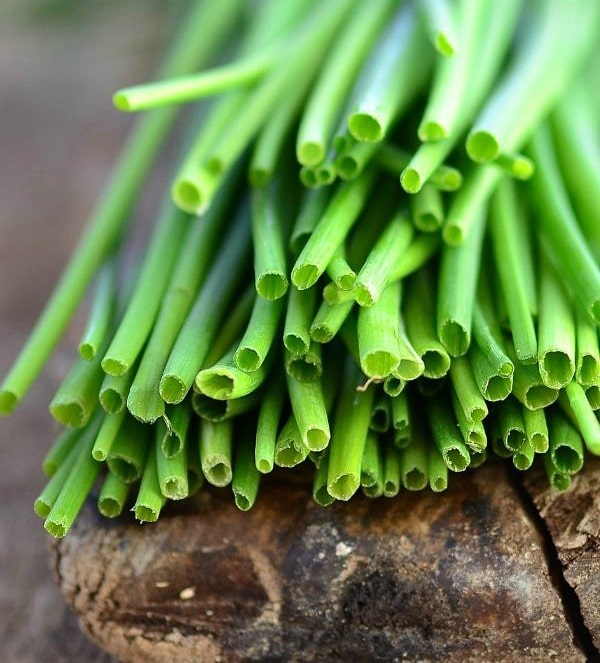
272 285
310 154
187 196
121 102
172 390
365 128
482 147
410 180
114 367
431 131
305 276
453 235
8 402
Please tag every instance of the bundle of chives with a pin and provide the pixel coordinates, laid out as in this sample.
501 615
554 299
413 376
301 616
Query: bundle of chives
225 358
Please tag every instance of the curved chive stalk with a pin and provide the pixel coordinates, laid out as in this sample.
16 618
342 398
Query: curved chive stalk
556 350
308 367
142 309
517 166
172 470
114 390
216 410
436 469
512 269
128 452
371 464
101 313
391 471
75 489
559 37
416 255
560 233
331 231
419 317
557 479
174 430
384 256
459 267
378 331
328 94
215 451
352 162
350 429
329 320
381 414
320 494
473 432
61 448
427 209
447 436
588 354
467 391
509 419
566 445
523 458
536 429
246 478
113 496
46 499
267 426
452 75
310 412
411 365
290 450
527 384
494 380
339 271
585 417
199 330
112 212
225 381
333 295
150 500
109 429
311 208
300 310
414 466
259 335
391 77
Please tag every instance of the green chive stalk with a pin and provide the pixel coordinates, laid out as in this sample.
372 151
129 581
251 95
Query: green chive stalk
128 452
61 448
114 391
101 313
339 271
329 320
320 494
427 209
290 450
215 410
414 466
558 480
536 429
381 415
269 416
296 330
175 430
246 478
436 469
312 206
308 367
566 445
371 465
511 425
439 17
391 471
150 500
310 412
112 497
587 353
523 458
172 470
258 338
528 386
46 499
215 451
109 429
225 381
585 417
447 436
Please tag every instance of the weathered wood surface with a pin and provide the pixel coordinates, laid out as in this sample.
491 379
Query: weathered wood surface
461 576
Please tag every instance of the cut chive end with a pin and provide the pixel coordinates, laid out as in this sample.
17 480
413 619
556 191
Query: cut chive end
556 369
436 364
365 128
217 471
145 514
304 369
514 439
241 501
125 470
363 294
379 364
111 401
456 459
8 401
171 445
305 276
346 281
317 439
264 466
410 179
175 488
455 338
41 508
172 389
347 167
431 131
259 177
453 234
443 46
145 405
295 344
539 396
321 334
247 359
216 384
187 196
289 456
414 479
87 351
482 147
439 484
121 102
272 285
343 487
115 367
57 530
428 222
588 373
561 481
566 459
69 414
522 461
310 154
498 388
109 507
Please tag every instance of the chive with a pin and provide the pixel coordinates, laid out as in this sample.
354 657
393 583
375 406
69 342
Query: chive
393 386
536 429
350 430
414 466
518 166
457 283
416 255
290 450
491 382
391 77
128 452
588 354
101 313
308 178
498 443
473 432
558 480
378 334
312 207
511 425
391 471
326 171
478 458
592 393
329 320
556 350
512 111
419 317
375 272
381 414
585 417
411 365
113 496
109 429
171 470
113 210
61 448
573 261
440 21
452 76
259 335
114 390
174 432
566 445
437 470
215 451
504 219
75 489
246 478
150 500
523 458
401 413
396 160
308 367
327 96
352 162
144 400
310 412
371 464
320 494
196 336
77 397
333 227
195 474
333 295
339 271
45 500
447 436
296 331
269 415
467 391
215 410
427 209
225 381
528 386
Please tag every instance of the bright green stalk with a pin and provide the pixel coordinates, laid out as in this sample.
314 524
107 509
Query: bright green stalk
75 489
333 84
312 207
225 381
215 410
331 231
391 471
556 350
393 386
350 429
463 381
427 210
419 317
371 465
391 77
588 354
246 478
584 416
416 255
101 313
592 393
107 434
333 295
308 367
114 390
410 366
329 320
172 470
517 166
111 215
113 496
447 436
320 494
339 271
437 470
452 76
557 479
473 432
566 445
378 330
215 451
150 500
478 458
259 335
269 415
494 380
308 178
61 448
457 284
300 310
559 37
326 171
290 450
384 256
557 226
414 465
523 458
129 449
527 384
352 162
400 412
510 423
46 499
440 21
536 429
175 430
199 330
504 218
381 415
310 412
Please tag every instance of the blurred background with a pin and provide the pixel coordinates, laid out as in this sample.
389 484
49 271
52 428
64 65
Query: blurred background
60 62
